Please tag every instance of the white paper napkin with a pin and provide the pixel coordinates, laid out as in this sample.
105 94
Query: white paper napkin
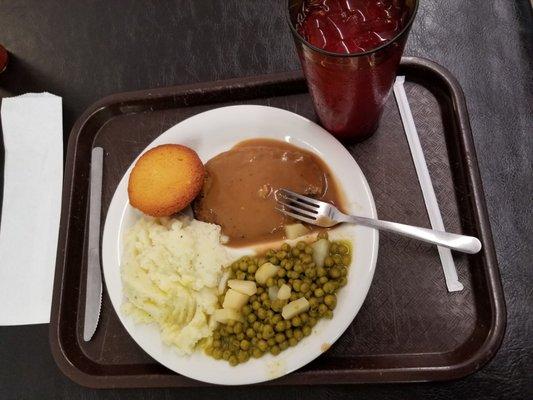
32 126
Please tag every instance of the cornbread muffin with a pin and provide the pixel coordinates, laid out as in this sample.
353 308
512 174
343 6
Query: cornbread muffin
165 180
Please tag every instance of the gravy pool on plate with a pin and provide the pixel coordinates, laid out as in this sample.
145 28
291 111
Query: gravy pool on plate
238 193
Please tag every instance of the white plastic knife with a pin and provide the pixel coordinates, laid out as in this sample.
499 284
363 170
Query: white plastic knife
93 295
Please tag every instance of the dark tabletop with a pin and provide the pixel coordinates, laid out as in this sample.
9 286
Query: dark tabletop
83 50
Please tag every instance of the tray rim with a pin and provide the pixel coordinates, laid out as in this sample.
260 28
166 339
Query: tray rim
470 365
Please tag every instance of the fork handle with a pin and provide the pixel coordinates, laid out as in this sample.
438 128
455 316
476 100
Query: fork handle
462 243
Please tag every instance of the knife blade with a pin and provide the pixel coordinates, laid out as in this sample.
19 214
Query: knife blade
93 295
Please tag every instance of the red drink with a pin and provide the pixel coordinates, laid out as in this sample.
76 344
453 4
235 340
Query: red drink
350 51
3 58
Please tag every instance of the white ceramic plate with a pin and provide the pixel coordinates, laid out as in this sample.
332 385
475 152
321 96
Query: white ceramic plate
211 133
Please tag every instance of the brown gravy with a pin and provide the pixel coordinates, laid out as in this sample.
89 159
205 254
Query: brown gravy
238 193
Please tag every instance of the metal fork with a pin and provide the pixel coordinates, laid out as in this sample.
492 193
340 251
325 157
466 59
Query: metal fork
323 214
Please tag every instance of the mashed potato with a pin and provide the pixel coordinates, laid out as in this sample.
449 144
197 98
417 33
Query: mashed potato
170 272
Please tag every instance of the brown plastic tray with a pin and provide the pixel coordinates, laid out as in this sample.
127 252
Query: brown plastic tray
409 328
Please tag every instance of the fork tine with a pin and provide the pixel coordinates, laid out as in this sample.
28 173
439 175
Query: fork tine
303 211
301 198
296 216
288 201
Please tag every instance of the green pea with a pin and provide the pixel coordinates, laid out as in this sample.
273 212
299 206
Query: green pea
295 251
264 296
334 273
256 353
240 336
289 265
270 282
243 356
306 330
280 326
328 262
250 333
337 259
260 290
313 313
307 258
343 281
217 354
257 326
276 318
273 260
233 361
226 354
271 342
330 300
237 328
267 332
322 280
256 305
261 313
217 343
235 266
285 247
289 333
280 337
251 318
293 342
296 285
262 345
281 254
301 245
275 350
322 308
304 287
304 317
346 260
320 272
328 314
281 273
266 304
333 247
310 273
277 305
296 321
245 310
284 345
229 329
318 292
298 334
329 287
240 275
308 250
252 269
313 302
343 249
344 271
